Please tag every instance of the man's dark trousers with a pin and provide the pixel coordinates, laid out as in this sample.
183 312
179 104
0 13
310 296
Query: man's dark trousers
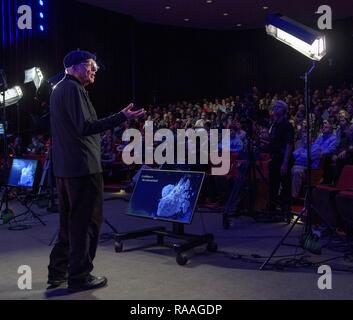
277 181
81 215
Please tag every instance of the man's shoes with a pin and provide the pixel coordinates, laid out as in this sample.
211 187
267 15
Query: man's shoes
56 282
90 283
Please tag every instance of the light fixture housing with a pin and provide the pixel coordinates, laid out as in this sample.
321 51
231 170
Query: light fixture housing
12 96
307 41
34 75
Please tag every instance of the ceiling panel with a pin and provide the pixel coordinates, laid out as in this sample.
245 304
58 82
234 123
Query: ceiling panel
221 14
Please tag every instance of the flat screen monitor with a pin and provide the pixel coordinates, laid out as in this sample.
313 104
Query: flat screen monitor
23 173
166 195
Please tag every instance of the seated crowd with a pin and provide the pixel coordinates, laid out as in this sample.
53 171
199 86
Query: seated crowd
249 120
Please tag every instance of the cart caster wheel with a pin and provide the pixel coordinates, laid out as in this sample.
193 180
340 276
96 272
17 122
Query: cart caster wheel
289 217
118 246
212 247
181 260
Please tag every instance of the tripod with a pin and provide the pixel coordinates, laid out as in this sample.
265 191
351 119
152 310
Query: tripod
27 202
48 176
246 182
308 241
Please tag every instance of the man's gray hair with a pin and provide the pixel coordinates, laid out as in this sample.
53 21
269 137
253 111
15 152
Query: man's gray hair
282 105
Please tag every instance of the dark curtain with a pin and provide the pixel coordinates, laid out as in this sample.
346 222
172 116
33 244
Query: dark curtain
110 36
179 63
68 25
21 50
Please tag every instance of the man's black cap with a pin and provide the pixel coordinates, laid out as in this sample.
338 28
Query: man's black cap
77 57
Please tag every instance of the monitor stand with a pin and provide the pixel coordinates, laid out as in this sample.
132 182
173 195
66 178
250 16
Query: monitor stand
26 202
189 241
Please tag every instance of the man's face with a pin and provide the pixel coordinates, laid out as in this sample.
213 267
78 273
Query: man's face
87 71
277 112
326 128
343 122
350 108
341 114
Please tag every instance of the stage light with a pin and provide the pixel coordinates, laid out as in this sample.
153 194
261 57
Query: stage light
12 96
41 15
302 38
34 75
41 28
311 44
41 2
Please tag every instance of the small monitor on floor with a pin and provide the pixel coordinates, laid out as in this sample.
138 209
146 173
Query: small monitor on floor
166 195
23 173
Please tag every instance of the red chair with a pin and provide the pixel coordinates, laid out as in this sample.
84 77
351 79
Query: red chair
234 156
324 198
344 203
265 156
234 166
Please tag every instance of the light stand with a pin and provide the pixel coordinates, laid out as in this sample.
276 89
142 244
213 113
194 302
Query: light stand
308 197
313 45
307 241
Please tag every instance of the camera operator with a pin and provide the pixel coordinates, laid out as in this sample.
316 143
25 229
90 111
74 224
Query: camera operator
281 141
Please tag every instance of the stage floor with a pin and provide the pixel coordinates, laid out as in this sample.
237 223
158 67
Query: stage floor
152 272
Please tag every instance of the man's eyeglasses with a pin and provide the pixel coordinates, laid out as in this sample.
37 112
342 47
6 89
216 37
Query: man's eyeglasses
92 65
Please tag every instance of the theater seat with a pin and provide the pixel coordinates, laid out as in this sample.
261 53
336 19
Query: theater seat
265 156
316 176
344 203
234 166
324 198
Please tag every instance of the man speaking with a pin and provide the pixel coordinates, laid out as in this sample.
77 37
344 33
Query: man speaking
77 168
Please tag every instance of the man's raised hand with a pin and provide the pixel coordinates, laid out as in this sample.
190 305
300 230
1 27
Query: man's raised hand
130 113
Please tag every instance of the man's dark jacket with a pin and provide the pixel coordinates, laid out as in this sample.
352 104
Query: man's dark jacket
76 130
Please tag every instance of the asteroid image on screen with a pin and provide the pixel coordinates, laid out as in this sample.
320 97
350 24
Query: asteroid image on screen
23 173
166 195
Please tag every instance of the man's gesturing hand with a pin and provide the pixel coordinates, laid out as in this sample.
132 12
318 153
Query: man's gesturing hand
130 114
